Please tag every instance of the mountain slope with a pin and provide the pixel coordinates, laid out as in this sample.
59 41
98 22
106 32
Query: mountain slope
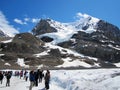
2 34
89 36
85 43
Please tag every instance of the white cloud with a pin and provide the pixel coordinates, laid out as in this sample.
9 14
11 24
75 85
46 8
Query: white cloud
80 15
5 26
19 21
35 20
26 19
84 17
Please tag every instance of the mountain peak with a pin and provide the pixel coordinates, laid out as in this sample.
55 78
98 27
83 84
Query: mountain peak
86 16
60 32
86 23
43 27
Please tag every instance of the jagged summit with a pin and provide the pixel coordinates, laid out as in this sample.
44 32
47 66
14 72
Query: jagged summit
43 27
86 23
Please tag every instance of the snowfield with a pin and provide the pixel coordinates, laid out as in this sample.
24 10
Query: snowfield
86 79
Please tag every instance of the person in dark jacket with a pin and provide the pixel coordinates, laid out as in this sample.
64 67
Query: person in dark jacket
38 75
32 79
26 75
1 77
8 76
47 79
36 78
41 75
21 74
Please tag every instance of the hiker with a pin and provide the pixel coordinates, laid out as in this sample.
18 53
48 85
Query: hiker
26 77
1 77
41 75
25 74
8 76
21 74
47 79
32 79
38 75
36 78
17 73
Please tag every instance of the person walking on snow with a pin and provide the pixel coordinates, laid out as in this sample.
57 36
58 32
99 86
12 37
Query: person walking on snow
8 76
26 77
36 78
41 75
47 79
1 77
21 74
32 79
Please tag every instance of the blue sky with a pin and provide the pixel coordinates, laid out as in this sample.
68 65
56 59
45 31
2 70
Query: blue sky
24 14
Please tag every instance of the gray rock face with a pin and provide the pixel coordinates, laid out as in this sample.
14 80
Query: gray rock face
43 27
46 39
23 43
110 31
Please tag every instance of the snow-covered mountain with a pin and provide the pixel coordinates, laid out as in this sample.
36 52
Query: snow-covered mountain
2 34
61 32
89 36
86 43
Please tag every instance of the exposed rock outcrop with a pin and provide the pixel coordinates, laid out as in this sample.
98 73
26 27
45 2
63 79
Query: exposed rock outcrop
43 27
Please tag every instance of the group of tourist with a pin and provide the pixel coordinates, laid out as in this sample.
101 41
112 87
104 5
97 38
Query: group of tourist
35 77
8 75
